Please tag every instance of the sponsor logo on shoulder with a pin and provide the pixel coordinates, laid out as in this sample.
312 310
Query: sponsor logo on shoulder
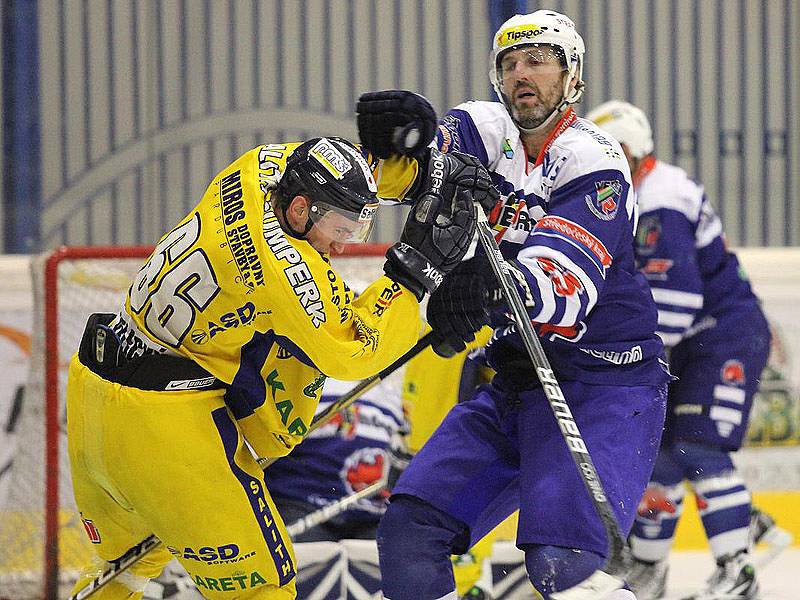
297 271
647 234
448 129
732 372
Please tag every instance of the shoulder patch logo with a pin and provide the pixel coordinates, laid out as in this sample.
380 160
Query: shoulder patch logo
508 151
604 203
647 234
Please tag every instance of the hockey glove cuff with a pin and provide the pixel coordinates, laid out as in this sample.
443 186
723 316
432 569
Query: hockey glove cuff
437 234
453 171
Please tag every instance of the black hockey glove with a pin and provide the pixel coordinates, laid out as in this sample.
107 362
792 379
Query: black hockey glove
395 122
462 305
463 171
438 230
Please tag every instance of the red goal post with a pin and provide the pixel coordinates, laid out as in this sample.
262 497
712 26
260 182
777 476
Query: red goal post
69 284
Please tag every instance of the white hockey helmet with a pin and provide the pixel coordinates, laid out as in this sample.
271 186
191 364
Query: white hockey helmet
541 27
627 124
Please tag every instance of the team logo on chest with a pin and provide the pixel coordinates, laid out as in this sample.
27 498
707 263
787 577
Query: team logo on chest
604 203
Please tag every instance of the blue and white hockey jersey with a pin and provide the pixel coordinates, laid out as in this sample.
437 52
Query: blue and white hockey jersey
567 221
346 455
697 284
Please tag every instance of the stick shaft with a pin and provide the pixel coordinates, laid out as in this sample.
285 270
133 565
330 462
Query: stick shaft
326 513
555 397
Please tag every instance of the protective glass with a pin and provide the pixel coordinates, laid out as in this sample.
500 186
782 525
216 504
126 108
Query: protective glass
538 60
342 225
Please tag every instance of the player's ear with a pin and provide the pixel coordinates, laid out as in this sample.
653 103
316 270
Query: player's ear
573 82
297 212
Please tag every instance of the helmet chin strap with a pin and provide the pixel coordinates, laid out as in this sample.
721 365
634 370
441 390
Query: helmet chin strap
544 124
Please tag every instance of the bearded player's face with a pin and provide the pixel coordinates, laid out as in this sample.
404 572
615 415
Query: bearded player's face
533 81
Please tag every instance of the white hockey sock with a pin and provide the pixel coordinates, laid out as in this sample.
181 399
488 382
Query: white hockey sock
723 502
657 517
620 595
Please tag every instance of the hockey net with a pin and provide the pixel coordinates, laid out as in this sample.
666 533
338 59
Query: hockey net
42 541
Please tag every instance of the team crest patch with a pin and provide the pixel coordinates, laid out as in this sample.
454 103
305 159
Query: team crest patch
363 468
732 372
604 203
647 234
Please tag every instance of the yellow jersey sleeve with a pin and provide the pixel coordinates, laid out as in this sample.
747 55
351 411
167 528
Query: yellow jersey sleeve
395 176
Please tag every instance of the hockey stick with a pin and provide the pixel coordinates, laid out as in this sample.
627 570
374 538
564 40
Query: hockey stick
325 416
121 564
601 582
326 513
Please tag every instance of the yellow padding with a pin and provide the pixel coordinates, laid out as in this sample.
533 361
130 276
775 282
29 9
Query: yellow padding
781 506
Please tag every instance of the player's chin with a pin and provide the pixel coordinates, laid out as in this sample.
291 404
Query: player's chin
529 118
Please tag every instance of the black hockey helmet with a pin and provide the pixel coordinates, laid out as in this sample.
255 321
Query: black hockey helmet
335 177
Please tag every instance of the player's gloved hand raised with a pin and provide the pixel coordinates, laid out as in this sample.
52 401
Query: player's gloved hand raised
395 122
438 230
462 305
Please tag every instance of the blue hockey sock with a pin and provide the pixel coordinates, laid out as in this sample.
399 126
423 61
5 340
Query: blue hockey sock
554 568
415 541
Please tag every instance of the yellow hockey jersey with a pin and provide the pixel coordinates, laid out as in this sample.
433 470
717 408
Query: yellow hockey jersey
262 311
